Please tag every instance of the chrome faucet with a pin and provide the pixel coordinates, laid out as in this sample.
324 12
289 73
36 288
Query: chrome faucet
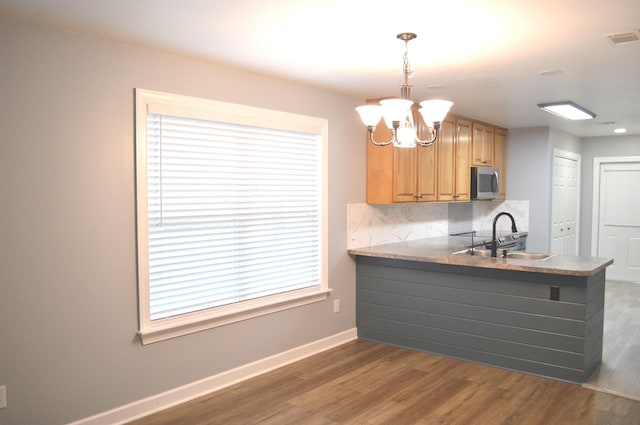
494 241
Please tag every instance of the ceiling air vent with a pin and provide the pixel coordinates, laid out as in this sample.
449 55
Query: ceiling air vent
624 37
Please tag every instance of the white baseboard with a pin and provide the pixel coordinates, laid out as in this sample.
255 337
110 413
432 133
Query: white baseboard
147 406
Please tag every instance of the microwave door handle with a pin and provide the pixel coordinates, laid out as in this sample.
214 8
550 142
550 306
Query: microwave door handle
494 182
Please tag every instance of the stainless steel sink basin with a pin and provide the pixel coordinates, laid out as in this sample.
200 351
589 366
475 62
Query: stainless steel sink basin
481 252
476 252
517 255
527 255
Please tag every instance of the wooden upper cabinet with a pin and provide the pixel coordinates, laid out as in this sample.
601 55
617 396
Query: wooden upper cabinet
426 162
446 160
405 169
500 160
482 145
453 160
463 160
414 169
400 174
440 172
380 167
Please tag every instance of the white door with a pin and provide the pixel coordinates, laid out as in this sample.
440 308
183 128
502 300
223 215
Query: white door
618 217
565 203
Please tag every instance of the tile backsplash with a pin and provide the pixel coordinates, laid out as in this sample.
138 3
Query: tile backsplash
460 218
379 224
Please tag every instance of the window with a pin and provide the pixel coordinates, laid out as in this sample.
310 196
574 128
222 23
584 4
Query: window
231 212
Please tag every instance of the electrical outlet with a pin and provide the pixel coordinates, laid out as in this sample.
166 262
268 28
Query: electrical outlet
554 293
3 397
336 306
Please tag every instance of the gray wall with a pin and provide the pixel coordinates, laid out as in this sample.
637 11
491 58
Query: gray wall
565 141
529 176
68 308
595 147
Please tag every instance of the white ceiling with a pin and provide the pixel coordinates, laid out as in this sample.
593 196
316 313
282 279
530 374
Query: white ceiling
484 55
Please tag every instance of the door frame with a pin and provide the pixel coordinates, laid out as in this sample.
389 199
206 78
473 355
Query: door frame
595 215
559 153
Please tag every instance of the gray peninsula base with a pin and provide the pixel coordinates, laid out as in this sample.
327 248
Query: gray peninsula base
539 323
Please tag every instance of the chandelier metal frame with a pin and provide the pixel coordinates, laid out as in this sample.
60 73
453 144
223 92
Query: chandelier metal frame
398 114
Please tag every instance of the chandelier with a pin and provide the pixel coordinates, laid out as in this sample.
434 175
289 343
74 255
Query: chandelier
397 113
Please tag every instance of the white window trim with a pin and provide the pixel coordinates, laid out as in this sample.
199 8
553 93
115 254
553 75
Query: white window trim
170 104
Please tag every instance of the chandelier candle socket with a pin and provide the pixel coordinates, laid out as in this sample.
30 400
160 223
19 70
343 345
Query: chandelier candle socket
397 113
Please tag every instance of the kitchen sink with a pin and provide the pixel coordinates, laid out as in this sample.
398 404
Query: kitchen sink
476 252
528 255
481 252
516 255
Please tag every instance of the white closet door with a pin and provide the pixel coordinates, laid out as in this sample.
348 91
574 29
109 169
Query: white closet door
566 180
619 219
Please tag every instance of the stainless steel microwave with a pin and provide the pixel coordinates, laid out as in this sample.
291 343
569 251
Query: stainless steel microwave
485 183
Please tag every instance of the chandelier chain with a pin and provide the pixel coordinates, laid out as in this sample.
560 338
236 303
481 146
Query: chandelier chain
407 72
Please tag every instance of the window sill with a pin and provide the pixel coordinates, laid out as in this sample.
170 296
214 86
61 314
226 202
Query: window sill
160 330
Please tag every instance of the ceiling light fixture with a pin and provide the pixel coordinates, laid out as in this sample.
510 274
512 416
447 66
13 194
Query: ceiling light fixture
620 130
397 113
567 110
550 72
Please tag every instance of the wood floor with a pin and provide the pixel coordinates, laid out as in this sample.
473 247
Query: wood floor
619 372
368 383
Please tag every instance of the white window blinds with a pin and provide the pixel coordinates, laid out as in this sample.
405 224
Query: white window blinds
234 213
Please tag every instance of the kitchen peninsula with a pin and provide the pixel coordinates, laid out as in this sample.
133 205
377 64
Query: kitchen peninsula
542 317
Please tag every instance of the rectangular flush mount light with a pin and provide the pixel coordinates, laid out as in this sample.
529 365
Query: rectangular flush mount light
567 110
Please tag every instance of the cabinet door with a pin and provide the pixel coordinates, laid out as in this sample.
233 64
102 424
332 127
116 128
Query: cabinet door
415 168
482 145
427 168
462 160
500 160
404 174
379 168
407 167
427 163
446 161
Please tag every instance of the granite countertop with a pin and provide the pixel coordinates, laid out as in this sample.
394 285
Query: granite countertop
439 250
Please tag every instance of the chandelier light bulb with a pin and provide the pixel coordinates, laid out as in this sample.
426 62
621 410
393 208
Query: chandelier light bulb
406 137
